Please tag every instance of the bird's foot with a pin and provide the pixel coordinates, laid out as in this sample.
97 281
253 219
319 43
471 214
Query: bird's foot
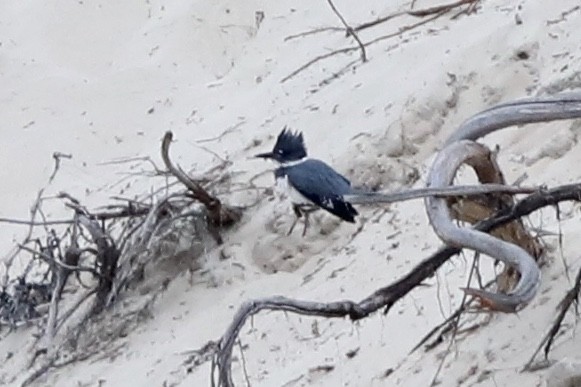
299 212
292 227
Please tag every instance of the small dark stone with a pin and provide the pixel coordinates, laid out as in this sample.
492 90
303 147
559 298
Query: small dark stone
522 55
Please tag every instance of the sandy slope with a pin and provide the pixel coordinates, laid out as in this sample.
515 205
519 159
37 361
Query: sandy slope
103 81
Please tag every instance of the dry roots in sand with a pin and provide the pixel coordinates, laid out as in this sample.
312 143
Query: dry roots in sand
107 254
497 231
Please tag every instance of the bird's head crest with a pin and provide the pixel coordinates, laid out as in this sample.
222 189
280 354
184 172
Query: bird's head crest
289 146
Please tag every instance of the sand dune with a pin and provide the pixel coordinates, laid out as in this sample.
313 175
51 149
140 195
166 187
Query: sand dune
104 81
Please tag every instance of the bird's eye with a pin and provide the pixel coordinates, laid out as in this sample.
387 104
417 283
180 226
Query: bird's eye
280 152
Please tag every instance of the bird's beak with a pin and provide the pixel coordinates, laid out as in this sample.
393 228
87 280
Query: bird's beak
267 155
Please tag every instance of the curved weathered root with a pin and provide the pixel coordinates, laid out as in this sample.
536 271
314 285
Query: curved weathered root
524 111
562 106
441 174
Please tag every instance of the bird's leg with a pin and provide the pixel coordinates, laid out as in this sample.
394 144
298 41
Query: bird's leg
306 223
299 214
307 211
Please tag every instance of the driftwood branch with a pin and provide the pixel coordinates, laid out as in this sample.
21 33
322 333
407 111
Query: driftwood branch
564 106
107 256
349 30
219 215
449 191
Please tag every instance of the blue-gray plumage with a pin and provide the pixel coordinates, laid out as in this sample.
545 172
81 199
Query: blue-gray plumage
311 183
321 185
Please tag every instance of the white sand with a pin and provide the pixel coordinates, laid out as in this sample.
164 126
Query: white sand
80 78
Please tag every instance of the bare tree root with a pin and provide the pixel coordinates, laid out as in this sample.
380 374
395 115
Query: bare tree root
111 248
478 208
571 297
441 174
383 298
219 216
453 192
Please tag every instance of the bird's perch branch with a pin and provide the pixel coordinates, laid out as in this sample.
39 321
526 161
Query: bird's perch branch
451 191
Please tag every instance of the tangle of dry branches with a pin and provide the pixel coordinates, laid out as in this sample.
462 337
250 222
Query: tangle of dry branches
106 252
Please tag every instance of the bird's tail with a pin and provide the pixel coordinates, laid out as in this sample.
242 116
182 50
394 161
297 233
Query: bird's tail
362 191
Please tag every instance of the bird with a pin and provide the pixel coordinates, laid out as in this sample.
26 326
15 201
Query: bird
310 183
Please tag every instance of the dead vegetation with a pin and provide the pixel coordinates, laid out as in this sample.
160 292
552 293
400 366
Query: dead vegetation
427 15
102 255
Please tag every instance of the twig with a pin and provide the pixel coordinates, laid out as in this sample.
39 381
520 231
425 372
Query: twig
317 59
243 363
440 8
450 191
380 20
455 321
312 32
433 12
224 133
406 28
124 160
355 48
57 156
73 308
108 256
560 241
34 224
10 259
124 212
58 262
349 30
571 297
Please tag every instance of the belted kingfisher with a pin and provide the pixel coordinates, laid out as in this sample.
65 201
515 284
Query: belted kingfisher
310 183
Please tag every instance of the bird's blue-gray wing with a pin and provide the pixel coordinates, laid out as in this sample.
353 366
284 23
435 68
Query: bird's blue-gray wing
324 186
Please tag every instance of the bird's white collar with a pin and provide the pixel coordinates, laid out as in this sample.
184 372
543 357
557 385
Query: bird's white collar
294 162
